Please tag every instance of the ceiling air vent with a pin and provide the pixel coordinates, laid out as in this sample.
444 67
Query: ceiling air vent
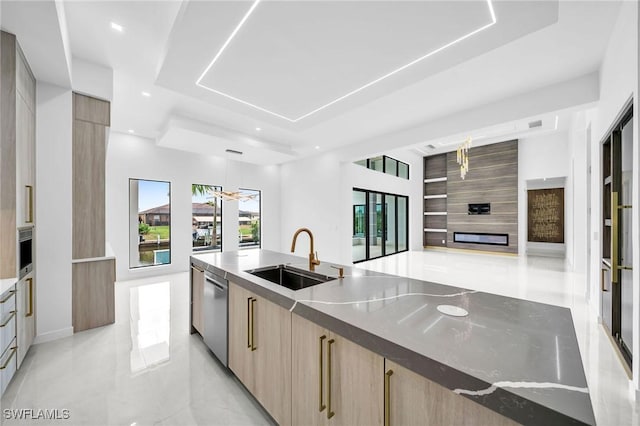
534 124
233 151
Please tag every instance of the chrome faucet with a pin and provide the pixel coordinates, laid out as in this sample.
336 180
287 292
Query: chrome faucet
313 258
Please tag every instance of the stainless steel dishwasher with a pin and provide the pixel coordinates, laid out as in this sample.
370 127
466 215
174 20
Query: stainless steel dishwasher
216 295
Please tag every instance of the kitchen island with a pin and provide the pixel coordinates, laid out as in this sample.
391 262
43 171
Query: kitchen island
517 359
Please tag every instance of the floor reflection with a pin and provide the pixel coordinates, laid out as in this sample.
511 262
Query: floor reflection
150 325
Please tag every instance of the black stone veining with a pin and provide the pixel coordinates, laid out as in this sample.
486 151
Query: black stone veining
502 339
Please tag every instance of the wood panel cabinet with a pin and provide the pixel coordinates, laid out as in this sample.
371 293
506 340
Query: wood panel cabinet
197 299
260 350
8 235
93 293
25 142
411 399
334 381
25 315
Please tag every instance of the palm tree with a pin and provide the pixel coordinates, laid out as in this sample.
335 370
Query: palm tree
203 190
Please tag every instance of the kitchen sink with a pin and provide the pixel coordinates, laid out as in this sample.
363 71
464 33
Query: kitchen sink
290 277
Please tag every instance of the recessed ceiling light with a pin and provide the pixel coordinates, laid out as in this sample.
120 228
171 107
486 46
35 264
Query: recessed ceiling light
146 94
258 129
131 131
117 27
317 147
369 84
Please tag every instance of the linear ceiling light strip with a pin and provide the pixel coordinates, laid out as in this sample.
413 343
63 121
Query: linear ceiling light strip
371 83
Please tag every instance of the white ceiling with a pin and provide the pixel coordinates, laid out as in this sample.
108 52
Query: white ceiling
293 56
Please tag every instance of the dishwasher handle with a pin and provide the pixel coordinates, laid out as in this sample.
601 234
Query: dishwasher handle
220 284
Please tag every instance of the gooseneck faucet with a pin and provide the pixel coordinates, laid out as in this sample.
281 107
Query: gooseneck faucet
313 258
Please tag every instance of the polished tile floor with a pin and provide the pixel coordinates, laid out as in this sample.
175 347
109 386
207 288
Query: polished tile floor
146 369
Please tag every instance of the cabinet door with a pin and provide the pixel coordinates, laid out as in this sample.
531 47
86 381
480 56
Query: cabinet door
25 316
240 354
354 382
415 400
92 293
197 298
308 366
272 358
25 142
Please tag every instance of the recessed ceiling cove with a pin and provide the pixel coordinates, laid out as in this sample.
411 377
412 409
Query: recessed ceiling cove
324 52
297 63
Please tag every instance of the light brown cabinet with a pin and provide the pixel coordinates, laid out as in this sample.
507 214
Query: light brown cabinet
17 180
197 298
260 350
25 143
93 293
411 399
25 315
334 381
17 149
93 273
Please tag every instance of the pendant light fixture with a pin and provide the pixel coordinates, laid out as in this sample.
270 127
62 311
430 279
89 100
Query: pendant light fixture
231 195
462 157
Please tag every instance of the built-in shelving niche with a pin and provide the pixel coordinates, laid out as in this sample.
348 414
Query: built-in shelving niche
435 201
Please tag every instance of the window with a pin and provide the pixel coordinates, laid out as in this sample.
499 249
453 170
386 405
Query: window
206 218
379 224
249 224
149 223
387 165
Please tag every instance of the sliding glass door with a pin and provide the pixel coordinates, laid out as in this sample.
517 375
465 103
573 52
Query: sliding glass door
379 224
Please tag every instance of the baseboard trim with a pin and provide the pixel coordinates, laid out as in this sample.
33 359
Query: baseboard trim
53 335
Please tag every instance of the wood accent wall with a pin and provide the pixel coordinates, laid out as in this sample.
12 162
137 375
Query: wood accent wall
492 178
8 233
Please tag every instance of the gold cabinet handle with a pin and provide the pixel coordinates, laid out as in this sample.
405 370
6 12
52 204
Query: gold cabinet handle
11 293
13 352
329 412
13 314
602 286
30 308
30 201
249 321
321 406
387 398
253 326
614 237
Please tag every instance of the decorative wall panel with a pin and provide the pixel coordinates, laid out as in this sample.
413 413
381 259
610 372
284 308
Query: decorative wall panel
545 214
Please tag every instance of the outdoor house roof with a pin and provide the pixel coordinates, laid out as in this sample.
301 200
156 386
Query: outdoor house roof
157 210
198 209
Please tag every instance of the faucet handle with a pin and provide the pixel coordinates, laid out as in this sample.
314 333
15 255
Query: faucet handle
317 261
340 270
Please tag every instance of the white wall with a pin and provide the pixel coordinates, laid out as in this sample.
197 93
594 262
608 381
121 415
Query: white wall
542 157
53 212
317 194
129 156
92 79
618 83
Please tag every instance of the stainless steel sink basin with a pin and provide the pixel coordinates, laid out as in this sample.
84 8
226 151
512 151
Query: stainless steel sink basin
290 277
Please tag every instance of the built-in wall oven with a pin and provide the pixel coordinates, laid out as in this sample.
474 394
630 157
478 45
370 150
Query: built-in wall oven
25 251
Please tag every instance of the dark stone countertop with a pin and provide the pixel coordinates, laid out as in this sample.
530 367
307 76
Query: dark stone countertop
516 357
